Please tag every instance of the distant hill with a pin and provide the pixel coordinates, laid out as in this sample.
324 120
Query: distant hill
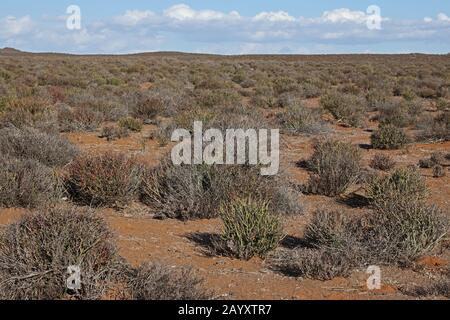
10 51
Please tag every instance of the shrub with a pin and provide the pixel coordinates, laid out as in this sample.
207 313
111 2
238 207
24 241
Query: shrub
147 107
403 231
29 143
103 180
395 114
78 119
438 171
437 158
327 229
197 191
396 235
335 166
27 112
389 137
298 120
131 124
36 251
436 129
346 108
250 229
402 185
26 183
113 132
438 288
382 162
159 282
312 263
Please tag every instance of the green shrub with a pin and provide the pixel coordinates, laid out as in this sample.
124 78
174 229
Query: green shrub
335 166
131 124
250 229
103 180
389 137
403 184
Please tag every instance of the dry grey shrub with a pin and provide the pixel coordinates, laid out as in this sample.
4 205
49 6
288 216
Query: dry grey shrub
29 143
335 167
27 183
36 251
153 281
197 191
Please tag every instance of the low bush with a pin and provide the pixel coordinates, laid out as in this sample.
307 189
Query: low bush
113 132
300 120
382 162
402 185
437 158
146 106
103 180
250 229
316 264
438 171
153 281
348 109
131 124
36 251
389 137
335 166
197 191
28 143
402 232
397 235
78 119
27 183
435 128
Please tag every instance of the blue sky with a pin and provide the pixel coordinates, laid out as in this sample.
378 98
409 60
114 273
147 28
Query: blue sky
228 26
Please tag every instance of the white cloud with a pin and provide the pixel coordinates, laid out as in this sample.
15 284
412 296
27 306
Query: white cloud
183 12
11 26
443 17
279 16
344 15
134 17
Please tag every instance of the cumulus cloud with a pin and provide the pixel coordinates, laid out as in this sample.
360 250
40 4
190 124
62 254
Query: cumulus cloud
279 16
344 15
183 12
443 17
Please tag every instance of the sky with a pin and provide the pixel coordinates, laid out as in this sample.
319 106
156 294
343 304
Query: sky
227 26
